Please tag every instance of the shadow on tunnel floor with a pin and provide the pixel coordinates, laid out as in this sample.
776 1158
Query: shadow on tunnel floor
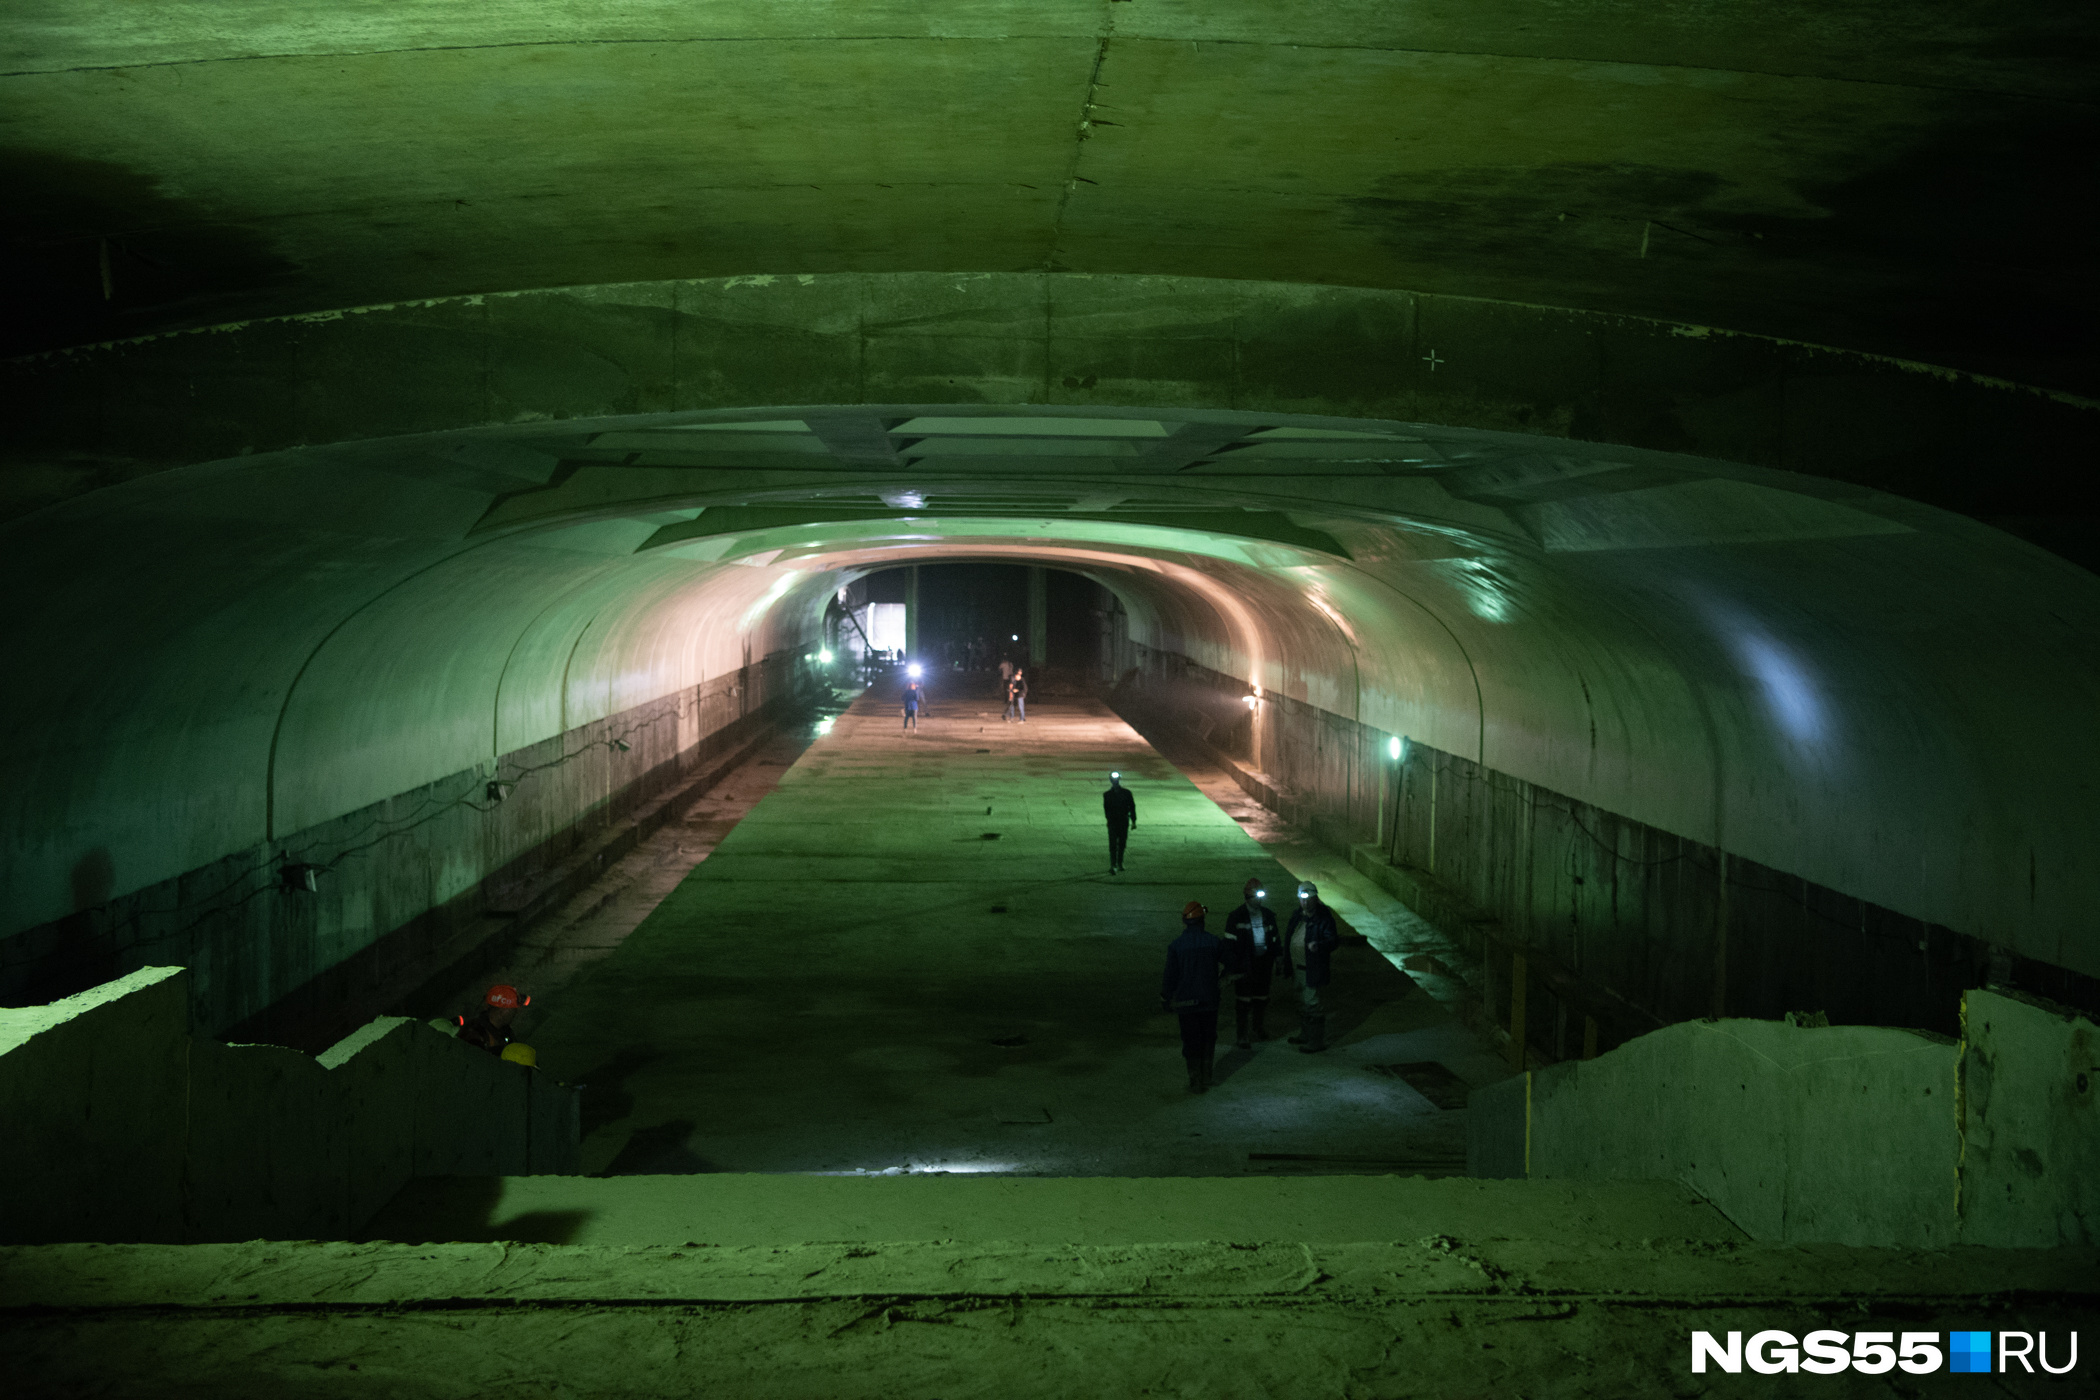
660 1151
466 1210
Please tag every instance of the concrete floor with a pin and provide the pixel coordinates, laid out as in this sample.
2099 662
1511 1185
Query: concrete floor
1532 1289
909 956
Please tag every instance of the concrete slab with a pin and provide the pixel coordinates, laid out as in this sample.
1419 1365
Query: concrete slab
751 1210
1440 1315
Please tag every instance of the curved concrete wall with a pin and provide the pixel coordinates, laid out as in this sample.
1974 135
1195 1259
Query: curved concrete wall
1857 688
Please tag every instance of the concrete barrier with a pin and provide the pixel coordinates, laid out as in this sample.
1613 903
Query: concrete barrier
1858 1135
123 1125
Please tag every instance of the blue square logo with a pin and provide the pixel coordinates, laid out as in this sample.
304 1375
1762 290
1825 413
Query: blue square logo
1969 1351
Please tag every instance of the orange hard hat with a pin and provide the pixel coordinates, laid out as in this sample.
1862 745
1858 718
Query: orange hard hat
1193 910
503 994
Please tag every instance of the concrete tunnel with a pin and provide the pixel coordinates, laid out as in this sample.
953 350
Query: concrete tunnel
1677 659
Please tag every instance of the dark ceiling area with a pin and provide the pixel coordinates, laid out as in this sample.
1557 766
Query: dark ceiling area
1909 180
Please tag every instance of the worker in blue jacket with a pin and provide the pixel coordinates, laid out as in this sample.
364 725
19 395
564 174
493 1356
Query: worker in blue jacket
1189 988
1307 945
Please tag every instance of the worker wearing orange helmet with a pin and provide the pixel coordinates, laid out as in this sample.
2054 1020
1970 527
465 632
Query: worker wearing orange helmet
1189 988
489 1027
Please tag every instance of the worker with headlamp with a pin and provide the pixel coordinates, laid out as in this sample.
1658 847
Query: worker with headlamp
1308 943
1120 808
914 699
1257 943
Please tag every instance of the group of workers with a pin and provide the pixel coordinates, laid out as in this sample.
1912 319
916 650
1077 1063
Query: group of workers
1013 683
1253 951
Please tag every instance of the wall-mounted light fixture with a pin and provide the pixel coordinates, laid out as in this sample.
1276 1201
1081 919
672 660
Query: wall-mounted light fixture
294 877
824 657
618 745
497 791
1396 748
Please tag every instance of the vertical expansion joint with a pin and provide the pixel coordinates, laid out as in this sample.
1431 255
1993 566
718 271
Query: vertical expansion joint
1961 1111
1527 1125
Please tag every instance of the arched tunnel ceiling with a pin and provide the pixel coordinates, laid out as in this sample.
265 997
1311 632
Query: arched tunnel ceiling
1908 178
729 484
1743 656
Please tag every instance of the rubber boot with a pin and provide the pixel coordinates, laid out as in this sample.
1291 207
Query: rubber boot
1315 1036
1242 1015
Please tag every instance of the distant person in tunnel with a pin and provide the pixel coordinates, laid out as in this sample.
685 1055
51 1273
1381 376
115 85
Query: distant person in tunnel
1189 989
1017 696
1120 807
1307 945
1257 940
489 1027
914 698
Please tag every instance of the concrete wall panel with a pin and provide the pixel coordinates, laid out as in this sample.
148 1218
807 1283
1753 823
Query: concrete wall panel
2030 1161
124 1125
94 1092
1807 1133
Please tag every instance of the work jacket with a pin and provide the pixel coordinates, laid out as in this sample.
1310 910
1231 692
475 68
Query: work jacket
476 1030
1119 807
1321 939
1190 981
1239 927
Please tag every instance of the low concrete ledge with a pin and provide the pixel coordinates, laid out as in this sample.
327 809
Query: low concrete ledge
124 1125
1857 1135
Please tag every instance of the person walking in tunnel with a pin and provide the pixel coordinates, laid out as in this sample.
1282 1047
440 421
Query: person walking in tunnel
914 697
1189 988
1120 807
489 1027
1257 942
1307 945
1017 696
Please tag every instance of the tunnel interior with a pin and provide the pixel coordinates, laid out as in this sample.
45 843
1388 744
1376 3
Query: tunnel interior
1593 490
412 683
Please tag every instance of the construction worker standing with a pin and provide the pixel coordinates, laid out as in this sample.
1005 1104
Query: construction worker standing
914 697
1120 808
1309 942
1017 697
1258 942
1189 989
